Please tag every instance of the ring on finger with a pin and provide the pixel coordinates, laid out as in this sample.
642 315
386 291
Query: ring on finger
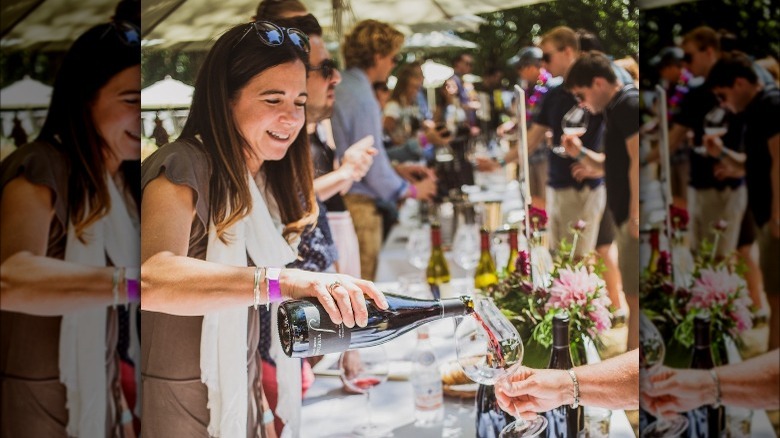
333 286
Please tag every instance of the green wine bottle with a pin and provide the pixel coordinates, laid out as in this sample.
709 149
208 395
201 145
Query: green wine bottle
485 275
438 272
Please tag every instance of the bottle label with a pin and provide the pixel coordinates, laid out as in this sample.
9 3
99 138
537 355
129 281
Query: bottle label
428 397
325 336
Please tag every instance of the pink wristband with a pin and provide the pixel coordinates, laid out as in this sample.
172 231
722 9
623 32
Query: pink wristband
412 191
274 290
133 291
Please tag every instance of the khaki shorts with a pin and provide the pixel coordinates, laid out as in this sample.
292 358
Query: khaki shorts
628 259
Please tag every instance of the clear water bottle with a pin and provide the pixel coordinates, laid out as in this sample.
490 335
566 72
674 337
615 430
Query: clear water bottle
426 382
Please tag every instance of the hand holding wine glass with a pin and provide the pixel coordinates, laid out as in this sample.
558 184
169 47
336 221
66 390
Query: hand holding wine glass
652 351
574 124
487 345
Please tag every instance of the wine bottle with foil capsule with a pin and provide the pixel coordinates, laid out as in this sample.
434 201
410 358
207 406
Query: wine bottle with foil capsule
511 263
485 274
705 421
563 421
438 271
305 329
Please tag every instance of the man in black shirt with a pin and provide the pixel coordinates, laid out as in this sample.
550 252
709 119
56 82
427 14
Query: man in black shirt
594 83
713 193
568 199
736 85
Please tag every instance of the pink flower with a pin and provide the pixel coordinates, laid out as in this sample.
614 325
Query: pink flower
575 288
720 225
579 225
538 218
523 263
715 288
679 217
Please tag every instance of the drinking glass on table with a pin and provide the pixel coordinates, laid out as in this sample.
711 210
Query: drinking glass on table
360 373
419 246
652 351
574 122
487 345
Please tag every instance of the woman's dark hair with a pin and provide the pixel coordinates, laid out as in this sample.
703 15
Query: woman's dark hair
275 9
230 64
95 57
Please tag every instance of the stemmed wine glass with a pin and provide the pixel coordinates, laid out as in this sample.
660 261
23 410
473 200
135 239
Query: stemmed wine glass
465 245
487 345
361 372
715 123
651 356
419 246
575 122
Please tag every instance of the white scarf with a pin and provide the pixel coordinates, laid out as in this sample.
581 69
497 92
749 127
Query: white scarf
82 355
223 346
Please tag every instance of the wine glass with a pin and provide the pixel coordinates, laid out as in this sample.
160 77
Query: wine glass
361 372
487 345
651 356
574 122
715 123
419 246
465 246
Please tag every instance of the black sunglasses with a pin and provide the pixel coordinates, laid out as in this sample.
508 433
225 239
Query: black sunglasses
326 68
546 57
128 33
272 35
687 58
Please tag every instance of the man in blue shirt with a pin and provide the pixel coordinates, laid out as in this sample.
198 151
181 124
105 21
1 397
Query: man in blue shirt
369 52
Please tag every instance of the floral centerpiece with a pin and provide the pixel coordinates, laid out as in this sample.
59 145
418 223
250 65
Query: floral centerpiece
574 285
711 284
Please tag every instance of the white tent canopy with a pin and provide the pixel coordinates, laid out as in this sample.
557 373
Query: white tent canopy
25 94
166 94
436 40
198 21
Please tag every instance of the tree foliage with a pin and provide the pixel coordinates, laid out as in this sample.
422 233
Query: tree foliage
753 22
615 22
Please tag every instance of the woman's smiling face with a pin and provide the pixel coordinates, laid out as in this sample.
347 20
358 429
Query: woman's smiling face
269 111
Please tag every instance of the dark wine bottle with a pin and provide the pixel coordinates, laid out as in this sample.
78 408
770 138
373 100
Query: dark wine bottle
563 422
704 421
490 418
305 329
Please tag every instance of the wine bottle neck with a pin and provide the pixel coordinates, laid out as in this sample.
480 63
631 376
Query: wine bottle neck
513 241
655 240
436 237
456 306
485 242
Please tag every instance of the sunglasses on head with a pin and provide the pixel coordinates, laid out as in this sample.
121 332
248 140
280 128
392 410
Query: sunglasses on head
128 33
273 35
326 68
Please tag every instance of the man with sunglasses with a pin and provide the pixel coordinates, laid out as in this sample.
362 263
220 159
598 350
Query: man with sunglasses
569 199
715 190
370 52
593 81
